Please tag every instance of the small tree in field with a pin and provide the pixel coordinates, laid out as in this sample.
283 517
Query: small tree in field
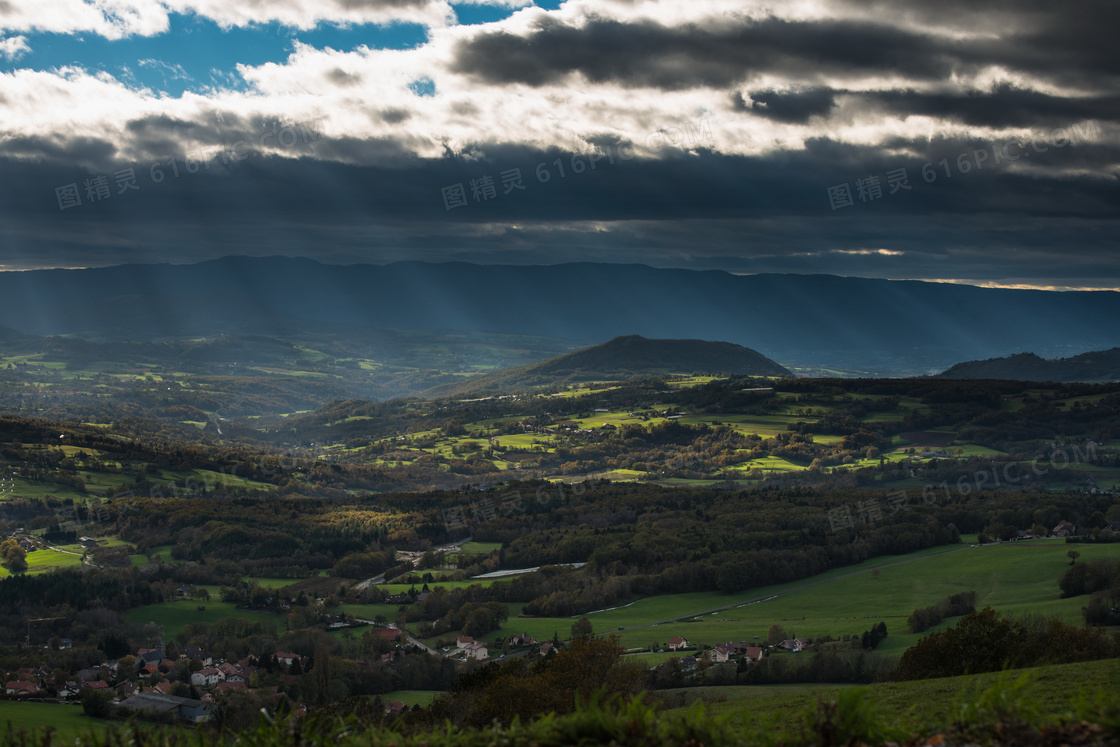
96 703
581 627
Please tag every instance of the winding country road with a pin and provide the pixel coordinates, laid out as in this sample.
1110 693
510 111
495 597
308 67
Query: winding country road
414 558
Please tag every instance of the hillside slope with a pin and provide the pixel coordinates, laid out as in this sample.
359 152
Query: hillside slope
1096 366
626 357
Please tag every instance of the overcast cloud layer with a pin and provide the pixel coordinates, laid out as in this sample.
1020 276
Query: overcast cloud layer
972 141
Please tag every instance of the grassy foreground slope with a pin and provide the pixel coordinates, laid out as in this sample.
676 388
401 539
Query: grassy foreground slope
67 720
924 706
1070 704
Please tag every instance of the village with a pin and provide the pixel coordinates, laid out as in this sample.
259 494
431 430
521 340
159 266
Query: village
164 682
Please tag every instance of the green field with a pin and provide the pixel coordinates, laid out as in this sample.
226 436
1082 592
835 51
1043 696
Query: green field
68 720
1012 577
929 705
411 697
47 560
653 659
160 554
480 548
173 616
272 583
370 611
44 561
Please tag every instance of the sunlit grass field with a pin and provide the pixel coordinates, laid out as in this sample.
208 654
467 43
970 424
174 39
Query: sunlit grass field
1012 577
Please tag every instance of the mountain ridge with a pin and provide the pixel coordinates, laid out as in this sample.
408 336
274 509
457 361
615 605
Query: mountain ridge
1099 365
885 326
619 359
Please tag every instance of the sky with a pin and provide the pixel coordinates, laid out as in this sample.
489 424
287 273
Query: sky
968 141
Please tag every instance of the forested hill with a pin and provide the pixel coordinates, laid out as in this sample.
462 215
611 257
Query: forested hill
1096 366
619 359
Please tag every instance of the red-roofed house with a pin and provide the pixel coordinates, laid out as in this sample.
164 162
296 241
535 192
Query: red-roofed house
21 688
677 643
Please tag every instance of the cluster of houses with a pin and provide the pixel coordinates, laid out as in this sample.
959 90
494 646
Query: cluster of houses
724 652
468 649
524 640
131 692
26 543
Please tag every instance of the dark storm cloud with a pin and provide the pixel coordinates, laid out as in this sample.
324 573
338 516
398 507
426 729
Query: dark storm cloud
1067 44
770 213
81 150
1071 39
1005 106
673 58
788 106
972 208
163 137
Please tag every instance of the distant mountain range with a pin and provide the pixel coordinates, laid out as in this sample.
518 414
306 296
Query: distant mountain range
622 358
1096 366
875 326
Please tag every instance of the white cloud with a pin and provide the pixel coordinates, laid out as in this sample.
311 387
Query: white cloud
112 19
363 96
117 19
14 47
307 14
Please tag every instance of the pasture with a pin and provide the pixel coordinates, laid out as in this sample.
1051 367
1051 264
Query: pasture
370 611
67 720
46 560
927 704
174 616
480 548
411 697
1015 578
